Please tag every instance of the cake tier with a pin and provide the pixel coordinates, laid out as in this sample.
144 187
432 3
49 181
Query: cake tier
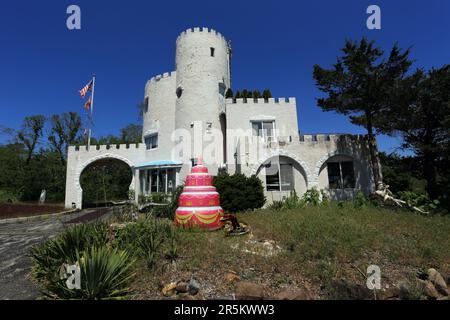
199 169
207 217
199 199
199 189
199 180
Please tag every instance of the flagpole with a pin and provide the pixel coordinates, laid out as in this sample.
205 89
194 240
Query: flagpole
92 108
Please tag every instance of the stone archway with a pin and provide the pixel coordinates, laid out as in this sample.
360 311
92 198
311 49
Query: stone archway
282 153
323 160
84 165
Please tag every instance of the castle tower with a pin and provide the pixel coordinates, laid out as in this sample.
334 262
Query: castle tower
203 76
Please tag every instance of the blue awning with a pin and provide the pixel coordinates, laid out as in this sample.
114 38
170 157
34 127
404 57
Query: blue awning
159 164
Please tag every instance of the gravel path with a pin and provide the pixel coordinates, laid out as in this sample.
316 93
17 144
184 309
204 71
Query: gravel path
16 238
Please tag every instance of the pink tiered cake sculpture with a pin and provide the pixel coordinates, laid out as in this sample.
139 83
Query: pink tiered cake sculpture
199 204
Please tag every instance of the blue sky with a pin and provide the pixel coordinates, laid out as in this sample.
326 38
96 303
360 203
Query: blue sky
275 44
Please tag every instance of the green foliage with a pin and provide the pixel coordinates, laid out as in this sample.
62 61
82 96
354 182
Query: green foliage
31 131
360 200
421 201
239 192
149 238
105 274
312 197
132 133
104 271
105 180
64 132
169 210
266 94
7 197
229 93
48 257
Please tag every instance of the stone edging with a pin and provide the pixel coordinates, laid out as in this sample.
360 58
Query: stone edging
37 217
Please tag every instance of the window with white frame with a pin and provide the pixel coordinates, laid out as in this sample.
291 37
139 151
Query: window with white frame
151 141
158 180
341 175
264 129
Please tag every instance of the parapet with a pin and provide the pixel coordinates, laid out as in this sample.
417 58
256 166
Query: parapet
331 137
203 30
105 147
280 101
161 77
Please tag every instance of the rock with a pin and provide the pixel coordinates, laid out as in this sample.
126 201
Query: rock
290 294
404 290
169 290
438 281
428 289
246 290
185 276
350 291
231 276
389 293
182 287
194 286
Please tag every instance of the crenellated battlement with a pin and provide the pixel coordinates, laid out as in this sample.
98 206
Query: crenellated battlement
280 101
331 137
203 30
106 147
164 76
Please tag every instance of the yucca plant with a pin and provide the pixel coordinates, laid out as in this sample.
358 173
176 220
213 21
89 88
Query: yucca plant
48 257
105 274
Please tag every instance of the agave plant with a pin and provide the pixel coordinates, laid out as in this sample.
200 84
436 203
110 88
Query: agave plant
105 274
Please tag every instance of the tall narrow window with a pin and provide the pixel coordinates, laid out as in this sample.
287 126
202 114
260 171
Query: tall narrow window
212 51
287 176
341 175
146 105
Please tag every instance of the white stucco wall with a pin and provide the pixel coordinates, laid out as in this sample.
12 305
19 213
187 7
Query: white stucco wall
199 75
78 160
160 117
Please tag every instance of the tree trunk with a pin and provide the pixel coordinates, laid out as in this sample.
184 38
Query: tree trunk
429 172
374 158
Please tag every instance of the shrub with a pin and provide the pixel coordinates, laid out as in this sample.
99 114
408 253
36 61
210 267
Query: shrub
105 274
104 271
148 238
169 210
239 192
51 255
421 201
7 197
360 200
312 197
276 205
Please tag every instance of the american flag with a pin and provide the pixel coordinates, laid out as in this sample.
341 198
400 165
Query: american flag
87 105
85 89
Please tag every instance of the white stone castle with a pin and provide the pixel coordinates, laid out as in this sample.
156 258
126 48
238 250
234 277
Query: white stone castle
187 115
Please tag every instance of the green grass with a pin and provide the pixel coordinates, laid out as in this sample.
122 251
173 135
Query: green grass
318 244
327 242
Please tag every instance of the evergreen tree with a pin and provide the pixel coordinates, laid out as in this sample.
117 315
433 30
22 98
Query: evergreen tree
229 93
238 95
422 117
361 86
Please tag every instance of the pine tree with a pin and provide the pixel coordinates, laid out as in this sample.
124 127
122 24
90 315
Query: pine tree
360 85
229 93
